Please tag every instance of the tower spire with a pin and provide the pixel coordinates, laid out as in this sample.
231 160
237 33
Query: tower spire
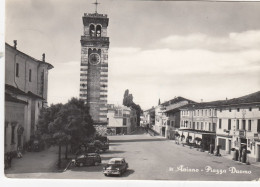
96 3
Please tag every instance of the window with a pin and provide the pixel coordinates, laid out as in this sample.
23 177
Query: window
92 30
209 112
206 111
258 125
220 123
17 70
214 127
237 124
197 125
42 83
201 112
12 135
201 125
229 124
243 124
98 31
209 126
124 121
230 110
250 109
238 109
30 75
198 112
249 125
193 125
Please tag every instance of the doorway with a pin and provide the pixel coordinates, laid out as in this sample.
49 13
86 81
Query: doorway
163 131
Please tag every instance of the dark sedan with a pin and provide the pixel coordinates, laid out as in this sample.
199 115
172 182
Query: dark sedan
90 159
115 166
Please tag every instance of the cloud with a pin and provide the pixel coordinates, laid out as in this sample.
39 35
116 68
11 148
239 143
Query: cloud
233 42
194 72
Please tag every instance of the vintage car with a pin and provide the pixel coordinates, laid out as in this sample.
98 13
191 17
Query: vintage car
97 146
89 159
115 166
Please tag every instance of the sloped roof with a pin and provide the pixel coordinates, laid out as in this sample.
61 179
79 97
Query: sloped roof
10 98
244 100
251 98
39 61
15 90
176 100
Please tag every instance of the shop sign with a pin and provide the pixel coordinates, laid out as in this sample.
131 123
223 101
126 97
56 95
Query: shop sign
240 133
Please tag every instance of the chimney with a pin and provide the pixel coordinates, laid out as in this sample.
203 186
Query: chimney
43 57
15 43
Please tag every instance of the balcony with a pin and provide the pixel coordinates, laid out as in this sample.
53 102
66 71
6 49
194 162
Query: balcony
95 39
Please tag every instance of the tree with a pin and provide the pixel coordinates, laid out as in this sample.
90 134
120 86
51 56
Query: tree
128 101
67 124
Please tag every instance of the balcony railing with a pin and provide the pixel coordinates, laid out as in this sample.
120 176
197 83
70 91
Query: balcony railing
91 38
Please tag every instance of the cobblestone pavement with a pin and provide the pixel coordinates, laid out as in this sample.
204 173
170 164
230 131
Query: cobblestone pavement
155 158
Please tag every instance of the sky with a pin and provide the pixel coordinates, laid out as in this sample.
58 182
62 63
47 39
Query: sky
158 49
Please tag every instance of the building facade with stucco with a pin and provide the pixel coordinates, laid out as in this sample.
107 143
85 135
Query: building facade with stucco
26 91
121 120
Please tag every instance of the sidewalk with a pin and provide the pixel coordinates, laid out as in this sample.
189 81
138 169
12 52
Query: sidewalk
35 162
228 156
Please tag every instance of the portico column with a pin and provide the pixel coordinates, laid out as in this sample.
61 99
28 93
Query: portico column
227 146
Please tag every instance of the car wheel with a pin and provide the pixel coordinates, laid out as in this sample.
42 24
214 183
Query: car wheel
96 163
105 174
81 164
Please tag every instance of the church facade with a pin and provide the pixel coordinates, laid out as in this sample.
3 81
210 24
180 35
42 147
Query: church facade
94 68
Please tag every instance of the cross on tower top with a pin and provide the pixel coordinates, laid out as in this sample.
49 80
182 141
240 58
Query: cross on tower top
96 3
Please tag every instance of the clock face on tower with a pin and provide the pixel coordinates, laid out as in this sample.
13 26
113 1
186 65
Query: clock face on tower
94 58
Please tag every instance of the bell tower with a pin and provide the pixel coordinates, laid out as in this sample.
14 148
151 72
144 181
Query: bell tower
94 67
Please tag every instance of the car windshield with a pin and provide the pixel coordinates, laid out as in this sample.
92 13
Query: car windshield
113 166
114 162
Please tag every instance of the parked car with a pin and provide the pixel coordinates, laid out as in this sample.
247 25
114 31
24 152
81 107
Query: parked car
101 145
92 148
97 146
35 145
103 139
115 166
89 159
